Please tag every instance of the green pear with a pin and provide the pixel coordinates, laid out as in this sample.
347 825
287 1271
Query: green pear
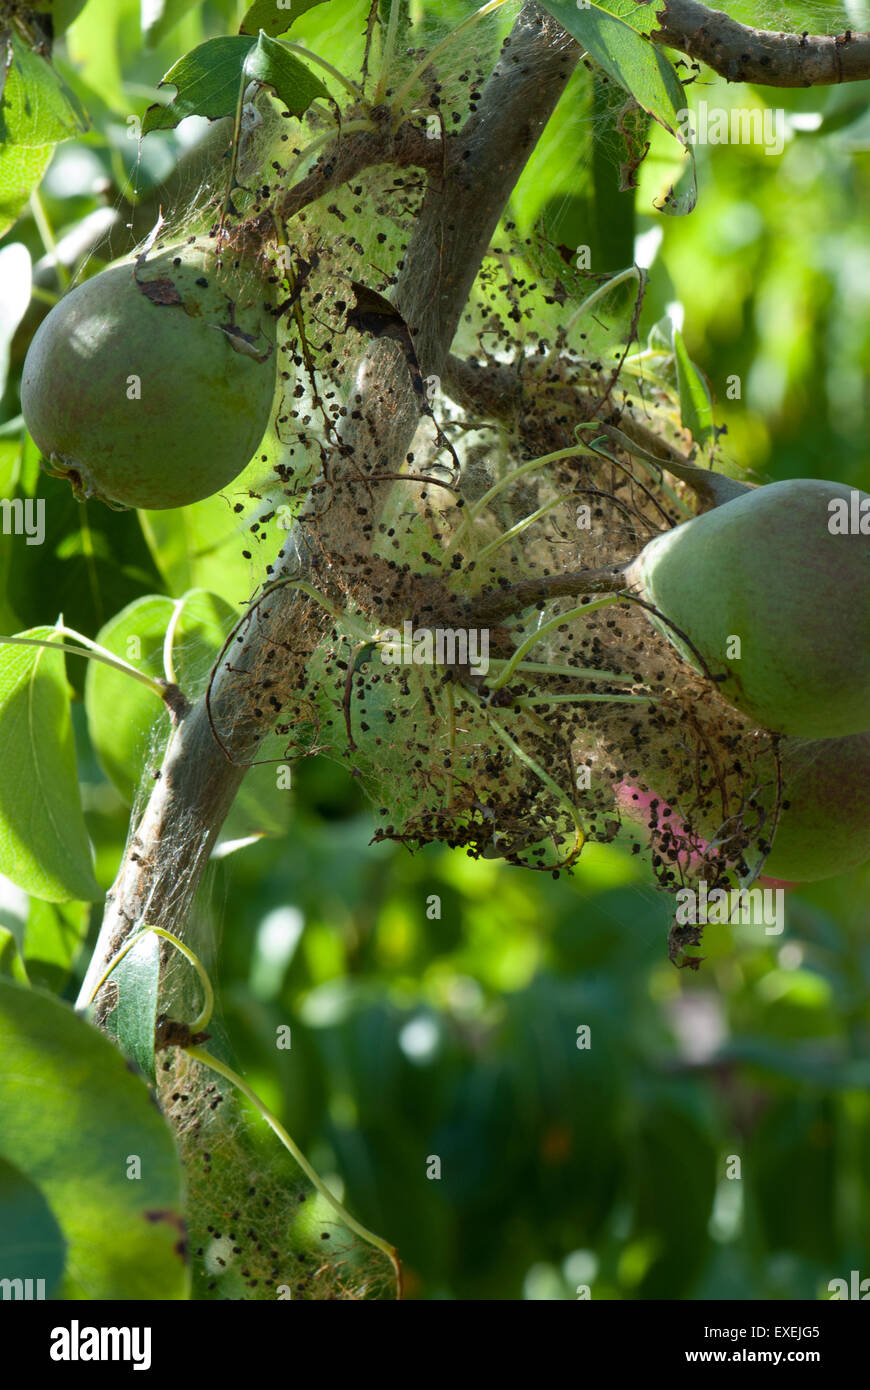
824 821
151 384
772 591
823 827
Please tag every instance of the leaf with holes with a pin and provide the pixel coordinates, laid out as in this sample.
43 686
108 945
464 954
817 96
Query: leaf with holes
270 62
210 79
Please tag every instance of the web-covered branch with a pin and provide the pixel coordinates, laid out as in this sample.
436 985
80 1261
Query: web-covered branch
196 785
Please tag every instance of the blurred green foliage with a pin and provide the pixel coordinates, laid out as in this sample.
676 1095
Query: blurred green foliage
456 1036
713 1138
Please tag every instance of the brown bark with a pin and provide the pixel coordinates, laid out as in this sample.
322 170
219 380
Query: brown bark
743 54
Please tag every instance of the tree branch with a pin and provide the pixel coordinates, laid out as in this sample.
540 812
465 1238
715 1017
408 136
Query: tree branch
460 212
497 605
168 854
742 54
407 147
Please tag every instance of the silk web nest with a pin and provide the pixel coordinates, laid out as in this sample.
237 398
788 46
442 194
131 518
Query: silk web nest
534 759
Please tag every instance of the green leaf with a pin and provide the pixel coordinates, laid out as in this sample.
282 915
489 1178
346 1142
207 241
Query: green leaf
53 935
261 806
208 80
62 12
201 547
638 66
44 846
102 43
275 16
122 712
123 715
85 1132
599 211
133 1019
618 147
696 405
204 623
35 109
21 171
160 17
270 63
47 936
35 113
31 1241
92 561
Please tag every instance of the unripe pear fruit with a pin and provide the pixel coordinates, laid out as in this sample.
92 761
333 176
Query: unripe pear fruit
648 808
151 384
824 820
788 575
